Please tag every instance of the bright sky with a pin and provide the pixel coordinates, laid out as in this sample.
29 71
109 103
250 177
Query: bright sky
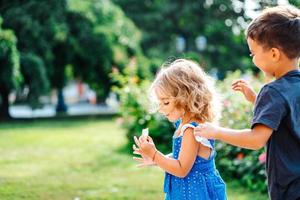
252 4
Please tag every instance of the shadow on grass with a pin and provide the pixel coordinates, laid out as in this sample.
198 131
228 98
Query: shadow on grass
53 123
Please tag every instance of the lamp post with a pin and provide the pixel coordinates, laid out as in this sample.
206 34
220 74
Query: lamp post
180 44
201 42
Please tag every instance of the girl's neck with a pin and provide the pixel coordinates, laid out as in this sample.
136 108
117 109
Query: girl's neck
188 117
185 119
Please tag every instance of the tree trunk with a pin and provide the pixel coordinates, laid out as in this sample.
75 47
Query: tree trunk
4 105
61 107
190 43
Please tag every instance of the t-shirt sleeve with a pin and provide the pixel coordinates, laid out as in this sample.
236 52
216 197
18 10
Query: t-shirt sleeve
269 109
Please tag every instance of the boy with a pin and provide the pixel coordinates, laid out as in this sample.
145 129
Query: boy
274 41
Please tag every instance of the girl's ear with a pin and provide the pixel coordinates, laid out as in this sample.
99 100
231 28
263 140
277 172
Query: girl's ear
276 54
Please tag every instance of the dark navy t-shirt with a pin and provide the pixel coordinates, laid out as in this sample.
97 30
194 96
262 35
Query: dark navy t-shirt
278 107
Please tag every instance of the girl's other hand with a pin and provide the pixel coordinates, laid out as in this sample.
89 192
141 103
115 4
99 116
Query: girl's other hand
146 145
144 160
245 88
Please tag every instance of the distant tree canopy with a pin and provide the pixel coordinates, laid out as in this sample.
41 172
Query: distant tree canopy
39 26
101 36
10 76
57 37
45 43
35 76
163 22
221 23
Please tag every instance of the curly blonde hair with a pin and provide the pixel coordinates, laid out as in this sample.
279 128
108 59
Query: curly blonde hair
190 87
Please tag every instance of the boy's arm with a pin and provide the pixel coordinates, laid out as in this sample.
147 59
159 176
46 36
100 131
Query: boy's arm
255 138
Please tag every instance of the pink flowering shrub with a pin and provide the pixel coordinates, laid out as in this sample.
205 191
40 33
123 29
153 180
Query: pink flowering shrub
262 158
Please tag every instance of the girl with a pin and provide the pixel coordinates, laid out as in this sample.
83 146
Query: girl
185 97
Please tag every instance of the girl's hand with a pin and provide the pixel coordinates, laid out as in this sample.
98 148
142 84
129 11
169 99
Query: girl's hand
245 88
144 160
146 146
206 130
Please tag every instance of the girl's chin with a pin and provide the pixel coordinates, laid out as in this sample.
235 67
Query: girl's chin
172 119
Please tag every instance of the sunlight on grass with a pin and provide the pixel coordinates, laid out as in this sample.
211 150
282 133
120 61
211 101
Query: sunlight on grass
69 159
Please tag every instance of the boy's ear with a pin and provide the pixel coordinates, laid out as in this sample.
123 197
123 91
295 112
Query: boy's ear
276 54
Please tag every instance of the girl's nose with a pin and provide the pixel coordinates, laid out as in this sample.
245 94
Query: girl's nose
160 110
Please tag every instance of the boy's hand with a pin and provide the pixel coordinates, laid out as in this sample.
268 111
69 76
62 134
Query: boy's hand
206 130
245 88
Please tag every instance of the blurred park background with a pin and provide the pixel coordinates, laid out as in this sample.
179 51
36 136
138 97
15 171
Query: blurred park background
73 92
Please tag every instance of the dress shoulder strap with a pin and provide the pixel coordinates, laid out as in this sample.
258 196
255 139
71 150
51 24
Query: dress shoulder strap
202 140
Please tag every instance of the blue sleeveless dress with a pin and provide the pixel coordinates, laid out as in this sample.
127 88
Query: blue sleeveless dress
203 182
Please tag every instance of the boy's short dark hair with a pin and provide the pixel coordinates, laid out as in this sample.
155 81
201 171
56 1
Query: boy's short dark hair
277 27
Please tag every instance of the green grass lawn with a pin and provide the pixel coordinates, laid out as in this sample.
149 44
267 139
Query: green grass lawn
77 160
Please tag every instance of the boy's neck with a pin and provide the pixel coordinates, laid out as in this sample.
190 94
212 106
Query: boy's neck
285 67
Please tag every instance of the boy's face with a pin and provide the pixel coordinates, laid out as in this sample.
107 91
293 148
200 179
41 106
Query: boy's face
261 57
168 108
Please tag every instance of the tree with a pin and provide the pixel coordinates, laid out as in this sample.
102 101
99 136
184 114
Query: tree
220 22
33 66
10 76
38 32
87 36
92 53
101 36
